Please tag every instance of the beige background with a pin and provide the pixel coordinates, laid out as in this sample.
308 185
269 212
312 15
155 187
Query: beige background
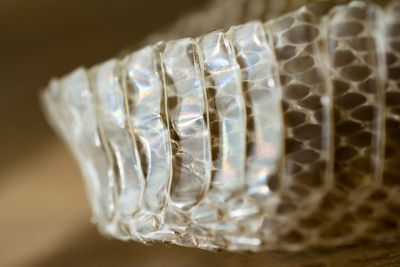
44 217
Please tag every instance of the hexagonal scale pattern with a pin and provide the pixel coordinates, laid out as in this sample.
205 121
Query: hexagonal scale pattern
276 135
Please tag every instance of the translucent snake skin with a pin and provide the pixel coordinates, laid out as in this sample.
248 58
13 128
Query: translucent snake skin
277 135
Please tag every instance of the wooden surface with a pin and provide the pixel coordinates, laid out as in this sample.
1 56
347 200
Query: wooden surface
44 217
45 222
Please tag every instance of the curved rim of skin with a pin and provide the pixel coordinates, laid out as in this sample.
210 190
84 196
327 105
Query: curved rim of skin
76 120
227 118
120 143
296 39
391 41
261 89
188 116
145 101
339 24
226 107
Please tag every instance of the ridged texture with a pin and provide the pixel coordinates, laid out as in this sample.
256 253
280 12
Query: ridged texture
282 135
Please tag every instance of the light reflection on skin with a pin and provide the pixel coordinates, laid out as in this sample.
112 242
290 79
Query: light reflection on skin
145 91
77 118
111 105
222 73
252 47
189 122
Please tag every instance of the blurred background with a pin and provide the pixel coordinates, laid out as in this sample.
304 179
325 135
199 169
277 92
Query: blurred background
44 216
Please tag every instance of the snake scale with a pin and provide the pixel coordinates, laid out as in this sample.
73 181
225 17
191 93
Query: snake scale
277 135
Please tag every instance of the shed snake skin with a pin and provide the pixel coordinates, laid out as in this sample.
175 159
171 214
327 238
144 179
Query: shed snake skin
278 135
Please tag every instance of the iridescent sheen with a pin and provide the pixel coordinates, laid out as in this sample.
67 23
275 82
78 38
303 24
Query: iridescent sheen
282 135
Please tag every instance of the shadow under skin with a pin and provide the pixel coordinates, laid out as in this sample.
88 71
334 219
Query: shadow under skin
92 249
89 248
